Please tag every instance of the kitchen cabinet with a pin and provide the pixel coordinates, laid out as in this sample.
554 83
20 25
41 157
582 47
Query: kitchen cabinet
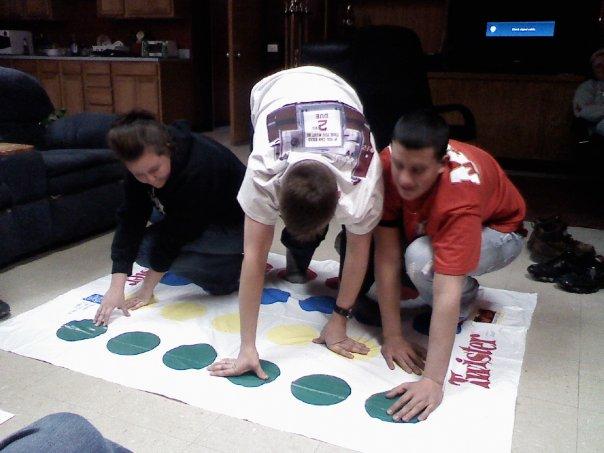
37 9
110 8
164 88
11 9
49 75
149 8
98 93
135 86
72 87
139 8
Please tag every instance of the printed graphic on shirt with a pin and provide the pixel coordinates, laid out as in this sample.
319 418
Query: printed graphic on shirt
156 202
462 168
322 127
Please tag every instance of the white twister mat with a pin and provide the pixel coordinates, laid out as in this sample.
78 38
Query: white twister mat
480 394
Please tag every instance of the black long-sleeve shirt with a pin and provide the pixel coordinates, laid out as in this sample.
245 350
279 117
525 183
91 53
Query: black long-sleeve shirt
201 190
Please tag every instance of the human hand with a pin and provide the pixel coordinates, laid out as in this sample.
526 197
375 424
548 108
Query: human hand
248 360
334 337
139 299
111 300
418 399
409 356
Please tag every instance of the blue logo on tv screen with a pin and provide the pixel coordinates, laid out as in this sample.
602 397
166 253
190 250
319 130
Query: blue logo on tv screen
542 29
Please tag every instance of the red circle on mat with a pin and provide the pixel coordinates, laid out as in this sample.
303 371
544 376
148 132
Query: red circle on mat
333 282
310 274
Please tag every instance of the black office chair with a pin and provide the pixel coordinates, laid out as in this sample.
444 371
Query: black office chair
385 65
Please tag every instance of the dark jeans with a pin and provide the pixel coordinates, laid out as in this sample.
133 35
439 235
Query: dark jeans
60 433
212 261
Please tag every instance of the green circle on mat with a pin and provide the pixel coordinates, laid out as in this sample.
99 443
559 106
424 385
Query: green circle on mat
190 357
250 379
133 343
320 389
80 330
377 405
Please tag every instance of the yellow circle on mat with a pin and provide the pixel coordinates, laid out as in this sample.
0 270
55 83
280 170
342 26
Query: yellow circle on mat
292 334
183 311
227 323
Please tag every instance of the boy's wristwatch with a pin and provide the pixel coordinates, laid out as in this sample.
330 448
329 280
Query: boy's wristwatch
346 312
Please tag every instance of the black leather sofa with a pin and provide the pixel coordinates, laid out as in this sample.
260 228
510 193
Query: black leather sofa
68 188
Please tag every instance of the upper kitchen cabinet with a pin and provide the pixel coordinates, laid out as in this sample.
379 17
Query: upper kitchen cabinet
30 9
110 8
139 8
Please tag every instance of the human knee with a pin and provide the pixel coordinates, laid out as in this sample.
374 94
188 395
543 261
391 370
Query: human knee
418 256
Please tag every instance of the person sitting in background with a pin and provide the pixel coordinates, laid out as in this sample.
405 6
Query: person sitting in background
588 103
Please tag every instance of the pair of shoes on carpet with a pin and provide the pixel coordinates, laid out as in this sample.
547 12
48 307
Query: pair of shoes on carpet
581 273
4 309
550 239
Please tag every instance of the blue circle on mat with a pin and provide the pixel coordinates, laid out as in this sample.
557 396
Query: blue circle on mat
273 295
324 304
174 280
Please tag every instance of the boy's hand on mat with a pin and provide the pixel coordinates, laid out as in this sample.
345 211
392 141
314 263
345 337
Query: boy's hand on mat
139 299
111 301
247 361
418 399
409 356
334 337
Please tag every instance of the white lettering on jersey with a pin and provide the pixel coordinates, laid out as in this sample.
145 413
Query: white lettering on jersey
465 170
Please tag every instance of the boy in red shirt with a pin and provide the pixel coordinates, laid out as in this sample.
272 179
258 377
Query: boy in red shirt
461 217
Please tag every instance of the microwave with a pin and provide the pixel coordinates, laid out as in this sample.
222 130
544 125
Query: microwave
16 42
161 49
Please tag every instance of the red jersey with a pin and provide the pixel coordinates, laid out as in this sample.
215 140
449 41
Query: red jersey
471 193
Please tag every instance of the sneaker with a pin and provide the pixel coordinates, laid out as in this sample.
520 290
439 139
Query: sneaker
550 239
588 280
4 309
566 263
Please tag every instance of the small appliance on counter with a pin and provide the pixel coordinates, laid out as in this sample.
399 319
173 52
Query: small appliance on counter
161 49
16 42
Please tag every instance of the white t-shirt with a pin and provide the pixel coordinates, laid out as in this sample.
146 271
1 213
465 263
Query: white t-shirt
311 113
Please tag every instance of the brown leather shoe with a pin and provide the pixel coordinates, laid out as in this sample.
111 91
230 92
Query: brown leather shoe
550 239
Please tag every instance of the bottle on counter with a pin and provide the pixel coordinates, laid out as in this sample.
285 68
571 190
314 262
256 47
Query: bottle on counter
74 49
25 47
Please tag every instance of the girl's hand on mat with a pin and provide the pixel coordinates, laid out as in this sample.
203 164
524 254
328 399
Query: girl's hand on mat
111 301
247 361
418 399
409 356
138 300
334 337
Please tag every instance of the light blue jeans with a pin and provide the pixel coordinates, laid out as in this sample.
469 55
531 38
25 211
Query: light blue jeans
497 250
60 433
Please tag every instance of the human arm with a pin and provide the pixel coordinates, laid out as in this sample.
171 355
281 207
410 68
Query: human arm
257 242
423 397
388 269
334 334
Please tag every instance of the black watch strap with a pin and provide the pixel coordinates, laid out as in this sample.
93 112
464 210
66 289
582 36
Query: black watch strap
346 312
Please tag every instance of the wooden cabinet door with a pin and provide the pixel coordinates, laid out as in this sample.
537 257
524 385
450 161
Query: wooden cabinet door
124 93
6 63
147 94
38 9
72 87
245 62
11 9
51 81
28 66
110 8
149 8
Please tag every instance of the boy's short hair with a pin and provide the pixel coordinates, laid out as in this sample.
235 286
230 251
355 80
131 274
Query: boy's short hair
422 129
131 133
308 199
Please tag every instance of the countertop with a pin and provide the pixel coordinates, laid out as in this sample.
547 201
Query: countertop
90 58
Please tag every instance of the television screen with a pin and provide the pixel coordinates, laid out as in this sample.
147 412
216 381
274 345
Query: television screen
540 29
